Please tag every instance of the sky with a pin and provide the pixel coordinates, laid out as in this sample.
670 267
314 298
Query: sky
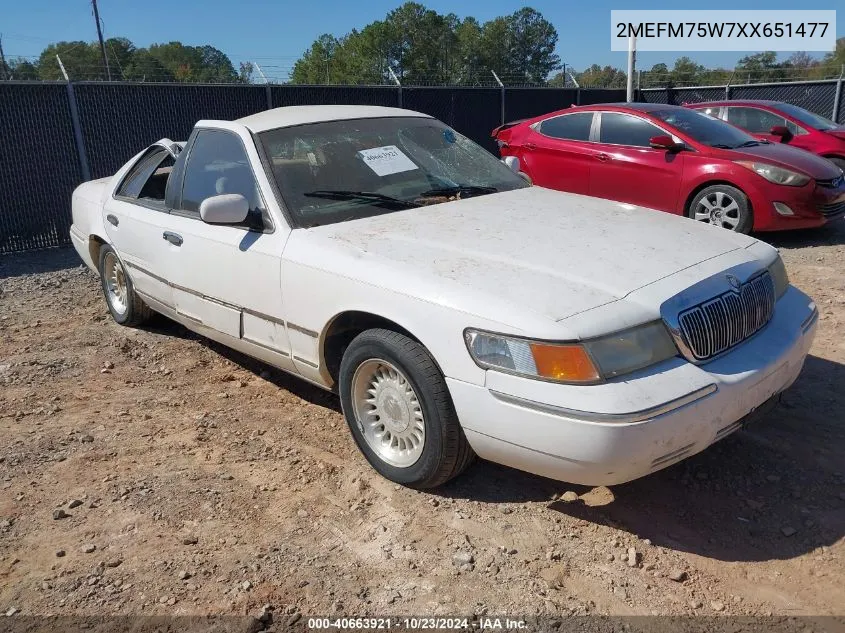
274 33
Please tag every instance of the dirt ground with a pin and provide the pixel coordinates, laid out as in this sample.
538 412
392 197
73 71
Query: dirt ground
198 481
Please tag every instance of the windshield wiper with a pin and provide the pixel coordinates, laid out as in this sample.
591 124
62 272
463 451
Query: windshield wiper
751 143
722 146
468 190
372 196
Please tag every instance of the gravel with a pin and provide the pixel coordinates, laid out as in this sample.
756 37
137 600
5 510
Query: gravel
150 479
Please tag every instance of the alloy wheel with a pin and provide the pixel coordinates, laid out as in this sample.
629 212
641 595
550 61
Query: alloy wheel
719 209
115 283
388 412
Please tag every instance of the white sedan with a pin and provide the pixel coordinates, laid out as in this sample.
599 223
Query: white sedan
456 310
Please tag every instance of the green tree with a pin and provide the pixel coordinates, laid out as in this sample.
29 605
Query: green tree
245 71
194 63
144 67
686 72
120 52
532 45
422 46
470 52
760 67
82 61
832 63
315 66
602 77
22 69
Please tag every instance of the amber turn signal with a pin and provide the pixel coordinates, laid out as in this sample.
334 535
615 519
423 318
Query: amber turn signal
567 363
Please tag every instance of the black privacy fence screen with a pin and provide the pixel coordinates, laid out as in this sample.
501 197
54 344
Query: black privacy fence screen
816 96
57 135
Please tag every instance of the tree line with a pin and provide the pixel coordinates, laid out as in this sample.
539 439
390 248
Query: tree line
173 61
416 46
755 68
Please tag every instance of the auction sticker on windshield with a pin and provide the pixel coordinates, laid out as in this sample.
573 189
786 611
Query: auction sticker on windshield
387 160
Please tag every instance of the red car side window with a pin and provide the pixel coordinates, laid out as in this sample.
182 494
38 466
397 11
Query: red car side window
570 127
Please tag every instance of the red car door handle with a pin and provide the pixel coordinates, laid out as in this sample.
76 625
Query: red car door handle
602 157
529 146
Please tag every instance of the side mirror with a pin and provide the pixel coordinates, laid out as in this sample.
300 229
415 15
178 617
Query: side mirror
782 131
512 162
227 208
664 141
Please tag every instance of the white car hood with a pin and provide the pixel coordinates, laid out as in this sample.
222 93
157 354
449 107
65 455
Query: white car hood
553 253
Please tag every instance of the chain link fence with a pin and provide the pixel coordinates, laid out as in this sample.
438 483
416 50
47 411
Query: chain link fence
119 120
40 166
55 135
816 96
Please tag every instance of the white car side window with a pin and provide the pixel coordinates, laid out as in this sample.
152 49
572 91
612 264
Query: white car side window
218 164
147 180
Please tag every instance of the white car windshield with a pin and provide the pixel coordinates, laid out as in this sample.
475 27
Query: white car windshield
345 170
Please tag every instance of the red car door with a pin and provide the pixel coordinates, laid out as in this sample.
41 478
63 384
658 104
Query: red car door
628 169
556 152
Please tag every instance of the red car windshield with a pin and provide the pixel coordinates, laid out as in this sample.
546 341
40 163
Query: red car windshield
705 129
807 118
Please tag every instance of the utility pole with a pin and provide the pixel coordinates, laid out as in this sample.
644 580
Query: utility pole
100 36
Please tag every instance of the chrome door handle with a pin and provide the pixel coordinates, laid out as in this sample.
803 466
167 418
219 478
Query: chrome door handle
112 219
173 238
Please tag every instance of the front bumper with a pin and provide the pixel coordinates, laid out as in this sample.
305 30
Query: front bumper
629 427
811 206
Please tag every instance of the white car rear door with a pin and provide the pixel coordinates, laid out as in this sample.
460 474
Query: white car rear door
134 217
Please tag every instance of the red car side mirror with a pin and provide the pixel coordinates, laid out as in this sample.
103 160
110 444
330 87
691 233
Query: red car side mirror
664 141
782 131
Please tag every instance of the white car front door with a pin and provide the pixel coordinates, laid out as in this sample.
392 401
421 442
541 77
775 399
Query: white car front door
228 277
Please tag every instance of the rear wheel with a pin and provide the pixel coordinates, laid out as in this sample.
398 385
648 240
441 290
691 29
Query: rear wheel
125 305
839 162
724 206
399 411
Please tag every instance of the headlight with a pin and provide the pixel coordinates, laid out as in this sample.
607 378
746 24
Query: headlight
777 175
584 363
629 350
778 272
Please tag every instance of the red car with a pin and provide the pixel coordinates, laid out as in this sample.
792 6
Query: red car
782 123
678 160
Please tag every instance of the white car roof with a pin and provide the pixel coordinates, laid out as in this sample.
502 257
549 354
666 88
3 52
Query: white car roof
299 115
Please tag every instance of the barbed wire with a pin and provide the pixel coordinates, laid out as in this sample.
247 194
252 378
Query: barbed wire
281 70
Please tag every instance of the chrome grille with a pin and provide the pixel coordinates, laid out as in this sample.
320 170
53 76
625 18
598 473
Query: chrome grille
718 324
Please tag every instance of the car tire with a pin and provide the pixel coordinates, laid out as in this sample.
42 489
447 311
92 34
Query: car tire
398 408
724 206
126 307
839 162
